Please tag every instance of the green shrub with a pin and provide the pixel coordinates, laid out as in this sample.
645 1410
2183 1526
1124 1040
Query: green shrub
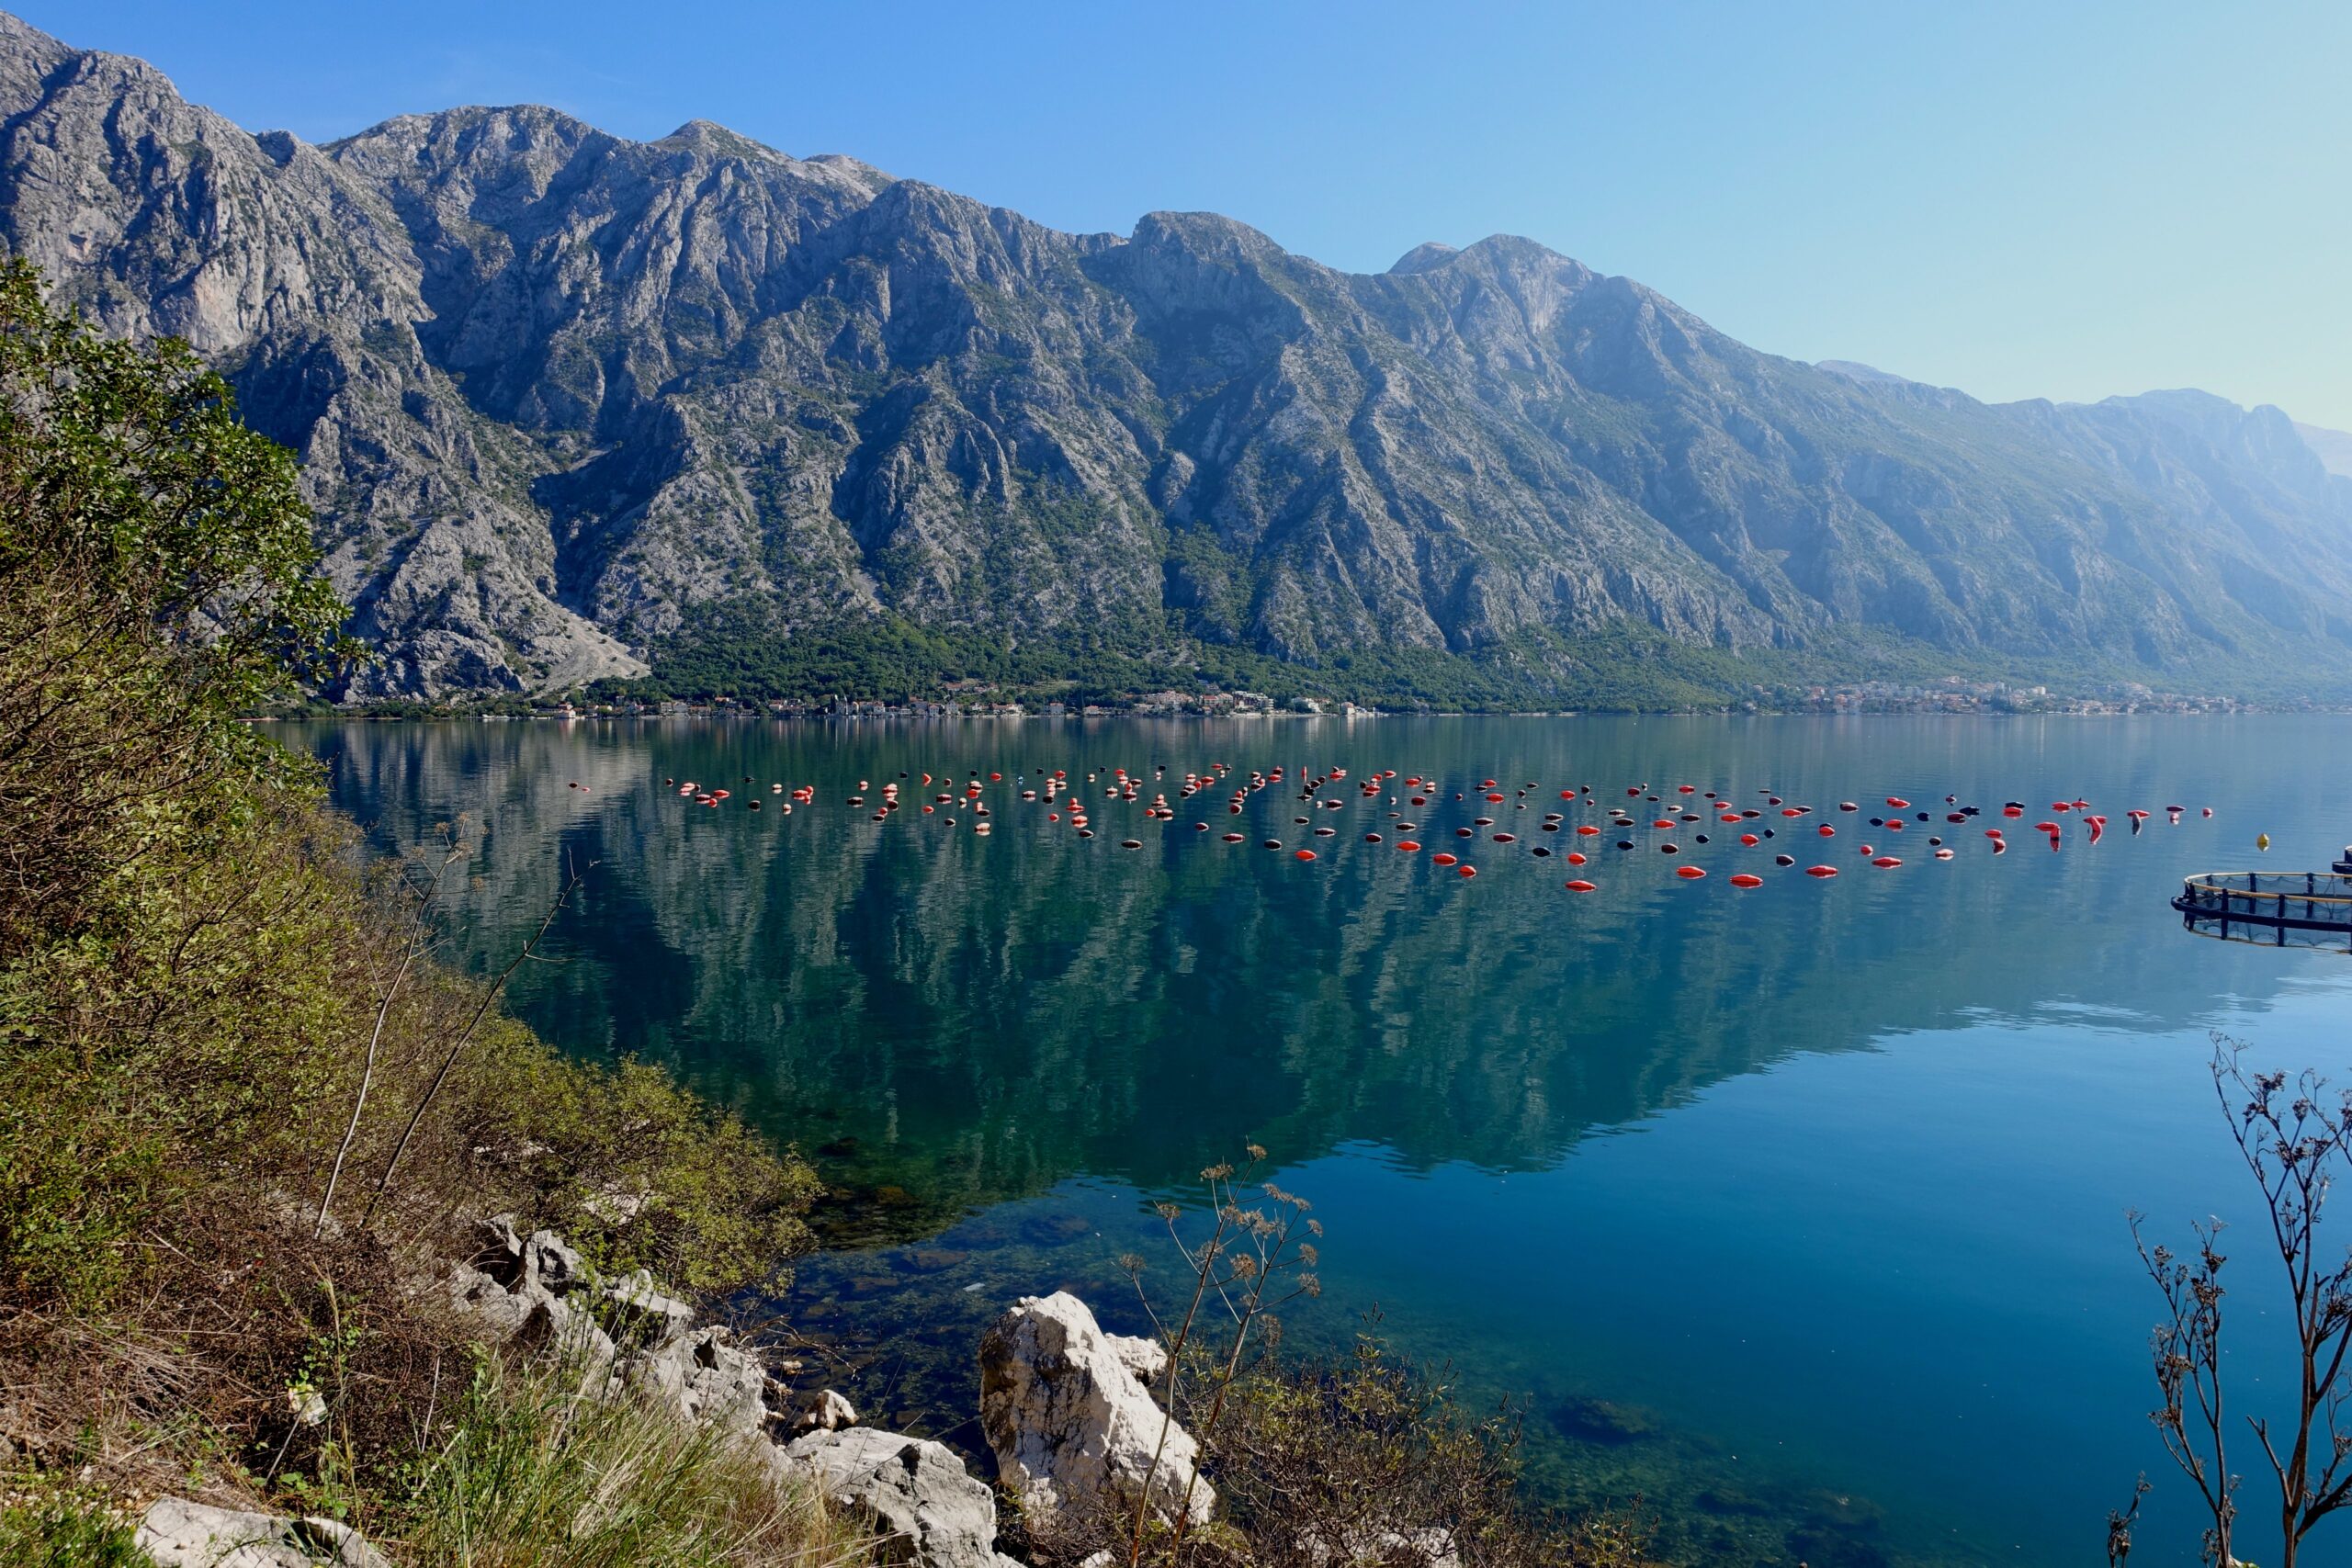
212 1007
54 1529
635 1171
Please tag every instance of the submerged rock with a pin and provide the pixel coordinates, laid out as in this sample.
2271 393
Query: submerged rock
1070 1421
176 1533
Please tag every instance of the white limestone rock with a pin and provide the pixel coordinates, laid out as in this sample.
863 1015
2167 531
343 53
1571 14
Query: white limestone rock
1070 1422
1146 1358
936 1515
176 1533
818 1410
704 1379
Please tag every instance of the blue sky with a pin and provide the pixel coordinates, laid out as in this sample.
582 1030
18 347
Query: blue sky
2066 199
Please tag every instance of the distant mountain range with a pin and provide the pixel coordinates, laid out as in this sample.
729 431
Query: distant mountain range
2333 447
569 403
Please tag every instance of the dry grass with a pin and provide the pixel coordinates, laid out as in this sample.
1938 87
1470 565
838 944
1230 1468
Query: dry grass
527 1474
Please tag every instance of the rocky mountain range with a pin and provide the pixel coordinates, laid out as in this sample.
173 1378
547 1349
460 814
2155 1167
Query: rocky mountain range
2333 447
560 395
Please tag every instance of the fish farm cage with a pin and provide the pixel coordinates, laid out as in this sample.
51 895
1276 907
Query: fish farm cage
2278 908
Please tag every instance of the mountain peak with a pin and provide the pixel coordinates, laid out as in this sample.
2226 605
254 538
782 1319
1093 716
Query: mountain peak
709 136
1423 257
1207 233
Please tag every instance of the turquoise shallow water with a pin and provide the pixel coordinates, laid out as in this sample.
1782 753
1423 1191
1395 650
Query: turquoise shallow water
1798 1210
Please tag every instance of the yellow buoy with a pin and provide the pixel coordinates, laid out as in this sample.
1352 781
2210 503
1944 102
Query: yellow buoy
2262 843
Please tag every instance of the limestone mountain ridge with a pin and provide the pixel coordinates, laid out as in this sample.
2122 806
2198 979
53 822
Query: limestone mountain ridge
558 394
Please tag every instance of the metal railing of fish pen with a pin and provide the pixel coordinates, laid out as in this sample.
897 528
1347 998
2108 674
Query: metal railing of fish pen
2284 908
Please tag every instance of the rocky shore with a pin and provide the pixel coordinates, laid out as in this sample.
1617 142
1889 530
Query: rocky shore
1067 1411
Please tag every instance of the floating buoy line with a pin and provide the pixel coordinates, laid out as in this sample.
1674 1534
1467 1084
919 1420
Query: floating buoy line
1664 820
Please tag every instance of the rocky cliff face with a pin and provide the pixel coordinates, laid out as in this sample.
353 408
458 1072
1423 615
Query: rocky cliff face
556 390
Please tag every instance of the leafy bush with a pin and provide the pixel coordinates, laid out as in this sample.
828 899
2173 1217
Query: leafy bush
212 1009
635 1172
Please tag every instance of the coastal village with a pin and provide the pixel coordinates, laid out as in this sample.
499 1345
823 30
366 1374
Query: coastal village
1952 695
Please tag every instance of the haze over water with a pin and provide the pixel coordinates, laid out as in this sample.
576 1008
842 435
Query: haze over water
1798 1210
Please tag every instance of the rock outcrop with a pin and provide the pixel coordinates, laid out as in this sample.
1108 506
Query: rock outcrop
1070 1422
1066 1407
538 1292
176 1533
933 1513
816 1410
1146 1358
560 395
704 1379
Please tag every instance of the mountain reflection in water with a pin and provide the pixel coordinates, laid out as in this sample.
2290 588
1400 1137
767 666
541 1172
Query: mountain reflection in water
998 1045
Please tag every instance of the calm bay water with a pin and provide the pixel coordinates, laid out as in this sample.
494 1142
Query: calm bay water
1798 1210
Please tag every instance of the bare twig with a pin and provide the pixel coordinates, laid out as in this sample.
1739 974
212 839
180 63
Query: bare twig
2295 1138
412 947
457 1046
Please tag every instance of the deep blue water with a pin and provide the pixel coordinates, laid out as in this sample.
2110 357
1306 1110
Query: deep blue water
1798 1210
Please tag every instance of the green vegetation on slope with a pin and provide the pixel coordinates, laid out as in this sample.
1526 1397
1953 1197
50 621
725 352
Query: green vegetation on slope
208 1008
739 650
